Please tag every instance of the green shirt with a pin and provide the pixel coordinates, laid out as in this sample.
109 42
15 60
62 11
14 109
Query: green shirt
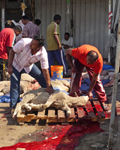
52 29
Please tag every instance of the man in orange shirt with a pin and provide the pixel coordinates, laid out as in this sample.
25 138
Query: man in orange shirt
87 56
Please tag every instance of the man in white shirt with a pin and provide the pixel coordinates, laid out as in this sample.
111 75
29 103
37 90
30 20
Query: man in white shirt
67 41
21 60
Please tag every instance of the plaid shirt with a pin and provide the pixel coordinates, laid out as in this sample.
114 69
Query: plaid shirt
30 30
24 59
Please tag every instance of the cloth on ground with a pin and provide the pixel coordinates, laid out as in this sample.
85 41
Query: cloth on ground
106 67
53 78
5 98
86 84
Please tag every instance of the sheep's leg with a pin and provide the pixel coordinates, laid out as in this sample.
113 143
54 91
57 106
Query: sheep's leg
36 106
18 107
21 95
49 102
30 106
67 109
26 106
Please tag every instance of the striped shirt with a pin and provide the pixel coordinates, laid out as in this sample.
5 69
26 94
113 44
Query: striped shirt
24 59
7 38
30 30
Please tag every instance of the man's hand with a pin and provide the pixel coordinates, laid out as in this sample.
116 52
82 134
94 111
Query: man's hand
10 70
74 70
50 90
66 46
58 41
90 95
10 61
60 47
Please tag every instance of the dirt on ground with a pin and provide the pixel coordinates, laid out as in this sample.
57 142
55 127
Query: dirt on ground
12 133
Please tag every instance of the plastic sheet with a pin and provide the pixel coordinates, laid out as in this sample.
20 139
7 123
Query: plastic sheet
86 84
106 67
5 99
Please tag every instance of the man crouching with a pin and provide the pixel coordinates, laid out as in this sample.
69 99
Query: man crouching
22 57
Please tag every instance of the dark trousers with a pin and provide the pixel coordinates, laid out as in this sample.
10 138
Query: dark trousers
15 83
59 55
2 69
76 79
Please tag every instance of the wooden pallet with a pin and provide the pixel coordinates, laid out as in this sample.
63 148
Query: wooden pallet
92 111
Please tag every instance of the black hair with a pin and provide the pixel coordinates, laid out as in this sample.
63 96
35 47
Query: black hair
8 25
57 17
25 17
40 39
93 56
37 22
66 33
18 28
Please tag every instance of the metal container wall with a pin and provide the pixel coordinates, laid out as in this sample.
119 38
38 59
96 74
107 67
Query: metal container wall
87 21
45 11
91 23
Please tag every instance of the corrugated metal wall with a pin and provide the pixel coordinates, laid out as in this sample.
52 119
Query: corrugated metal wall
46 9
90 20
91 23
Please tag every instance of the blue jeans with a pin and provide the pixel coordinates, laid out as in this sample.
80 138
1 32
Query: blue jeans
15 83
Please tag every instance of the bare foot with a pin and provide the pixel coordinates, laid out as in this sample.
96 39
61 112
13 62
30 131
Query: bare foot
104 106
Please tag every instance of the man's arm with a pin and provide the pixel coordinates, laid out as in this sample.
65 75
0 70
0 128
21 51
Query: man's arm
10 61
25 32
47 79
93 82
67 46
8 49
58 42
69 58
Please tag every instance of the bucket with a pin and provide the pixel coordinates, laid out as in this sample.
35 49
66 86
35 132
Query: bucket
57 71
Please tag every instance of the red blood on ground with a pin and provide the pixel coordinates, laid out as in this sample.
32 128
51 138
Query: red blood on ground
89 107
107 115
99 109
3 117
60 137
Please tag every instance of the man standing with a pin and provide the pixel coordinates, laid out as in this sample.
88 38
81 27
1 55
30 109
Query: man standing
30 29
87 56
54 47
21 60
7 39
